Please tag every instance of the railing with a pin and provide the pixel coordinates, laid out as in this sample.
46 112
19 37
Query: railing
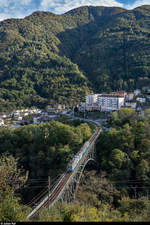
56 191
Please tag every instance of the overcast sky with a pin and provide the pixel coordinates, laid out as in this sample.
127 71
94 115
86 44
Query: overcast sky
22 8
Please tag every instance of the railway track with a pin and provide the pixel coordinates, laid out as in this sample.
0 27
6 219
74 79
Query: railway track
49 200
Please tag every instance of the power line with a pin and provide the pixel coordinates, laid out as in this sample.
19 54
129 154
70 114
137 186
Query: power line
37 179
34 187
37 197
42 193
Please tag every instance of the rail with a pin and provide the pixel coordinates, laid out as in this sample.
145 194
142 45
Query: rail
58 189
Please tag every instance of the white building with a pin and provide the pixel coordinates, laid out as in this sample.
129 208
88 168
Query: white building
148 97
130 104
109 102
137 92
36 120
90 101
120 93
82 107
1 122
15 113
92 98
130 96
19 118
141 99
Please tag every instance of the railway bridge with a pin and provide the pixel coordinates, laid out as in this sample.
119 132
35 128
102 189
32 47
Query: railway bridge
66 186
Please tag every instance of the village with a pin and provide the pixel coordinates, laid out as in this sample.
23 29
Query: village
22 117
139 100
103 102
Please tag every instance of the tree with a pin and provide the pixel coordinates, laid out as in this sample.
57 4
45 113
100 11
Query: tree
11 178
118 159
135 209
124 115
147 113
10 208
95 188
10 175
142 170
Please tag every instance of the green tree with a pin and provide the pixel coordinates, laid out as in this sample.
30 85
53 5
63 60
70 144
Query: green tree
142 170
135 209
10 175
11 178
10 208
124 115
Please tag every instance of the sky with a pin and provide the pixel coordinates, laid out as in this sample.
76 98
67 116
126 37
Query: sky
22 8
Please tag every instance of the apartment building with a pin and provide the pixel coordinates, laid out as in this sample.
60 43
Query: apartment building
141 99
91 100
109 102
137 92
120 93
130 96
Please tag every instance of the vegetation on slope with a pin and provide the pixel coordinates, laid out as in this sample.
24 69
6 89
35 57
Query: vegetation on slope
119 190
43 150
11 179
49 59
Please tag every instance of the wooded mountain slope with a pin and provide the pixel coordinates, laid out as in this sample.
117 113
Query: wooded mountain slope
47 58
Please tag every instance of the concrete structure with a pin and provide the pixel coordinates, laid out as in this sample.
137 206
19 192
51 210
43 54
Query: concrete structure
108 102
137 91
82 107
1 122
129 96
91 101
130 104
141 99
19 118
92 98
35 120
66 187
148 97
96 106
120 93
92 107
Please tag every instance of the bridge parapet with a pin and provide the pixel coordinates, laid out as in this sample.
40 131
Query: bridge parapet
66 187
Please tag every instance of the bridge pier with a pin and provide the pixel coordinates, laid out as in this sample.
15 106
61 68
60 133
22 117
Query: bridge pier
69 193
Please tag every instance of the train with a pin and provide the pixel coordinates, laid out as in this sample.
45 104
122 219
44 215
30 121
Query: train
74 162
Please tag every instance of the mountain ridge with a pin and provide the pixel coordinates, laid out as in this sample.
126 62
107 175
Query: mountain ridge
47 58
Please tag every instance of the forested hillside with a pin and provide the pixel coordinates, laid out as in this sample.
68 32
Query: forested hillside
119 189
43 150
48 59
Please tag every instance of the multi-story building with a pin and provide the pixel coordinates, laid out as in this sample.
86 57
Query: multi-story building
109 102
130 104
130 96
141 99
137 92
120 93
92 98
90 101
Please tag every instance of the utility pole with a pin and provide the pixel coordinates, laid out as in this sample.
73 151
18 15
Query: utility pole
73 111
48 191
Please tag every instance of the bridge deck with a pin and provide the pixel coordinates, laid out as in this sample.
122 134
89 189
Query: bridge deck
49 200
